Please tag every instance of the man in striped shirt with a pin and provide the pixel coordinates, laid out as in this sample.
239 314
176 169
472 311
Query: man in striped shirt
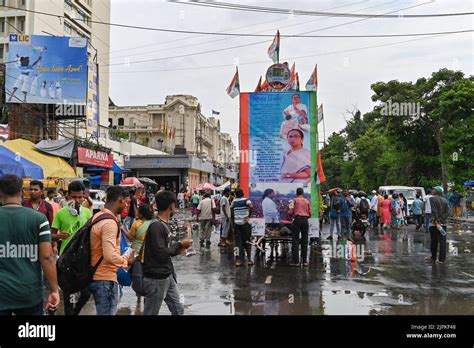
241 210
25 250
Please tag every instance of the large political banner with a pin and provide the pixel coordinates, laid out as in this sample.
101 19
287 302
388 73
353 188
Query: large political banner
278 138
46 69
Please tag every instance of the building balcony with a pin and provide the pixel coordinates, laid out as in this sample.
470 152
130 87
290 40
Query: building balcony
141 129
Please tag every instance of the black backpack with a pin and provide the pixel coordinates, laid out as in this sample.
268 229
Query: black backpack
74 265
364 206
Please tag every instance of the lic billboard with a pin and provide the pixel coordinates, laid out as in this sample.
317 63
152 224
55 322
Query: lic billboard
46 69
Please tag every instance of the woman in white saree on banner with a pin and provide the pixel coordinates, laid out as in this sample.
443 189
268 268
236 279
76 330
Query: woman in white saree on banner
296 165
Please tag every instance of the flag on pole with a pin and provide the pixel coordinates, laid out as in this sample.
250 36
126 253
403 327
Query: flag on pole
234 88
173 131
291 86
321 177
165 131
169 132
320 113
297 82
216 112
259 85
265 86
274 49
312 84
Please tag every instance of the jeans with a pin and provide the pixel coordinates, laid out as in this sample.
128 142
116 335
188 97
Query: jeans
35 310
335 221
373 221
206 226
427 221
73 306
225 228
303 228
105 294
346 225
435 237
243 233
156 291
418 220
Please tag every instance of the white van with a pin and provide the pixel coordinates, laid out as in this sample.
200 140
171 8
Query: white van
408 192
420 191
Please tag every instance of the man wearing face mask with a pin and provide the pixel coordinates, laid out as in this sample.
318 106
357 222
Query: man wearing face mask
66 223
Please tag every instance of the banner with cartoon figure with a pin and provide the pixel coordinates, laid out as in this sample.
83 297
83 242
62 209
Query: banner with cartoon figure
278 151
46 69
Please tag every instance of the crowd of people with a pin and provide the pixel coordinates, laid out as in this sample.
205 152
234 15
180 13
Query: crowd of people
134 228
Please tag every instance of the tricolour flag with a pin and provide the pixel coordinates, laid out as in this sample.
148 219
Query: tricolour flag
234 88
312 84
321 177
297 88
173 131
165 131
259 85
320 113
4 132
292 84
265 86
274 49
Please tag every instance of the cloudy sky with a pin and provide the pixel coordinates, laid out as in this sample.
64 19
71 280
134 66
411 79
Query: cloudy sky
344 77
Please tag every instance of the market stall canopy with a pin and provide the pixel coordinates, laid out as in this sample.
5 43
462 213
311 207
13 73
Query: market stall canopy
52 166
223 186
132 181
148 181
60 148
10 163
205 186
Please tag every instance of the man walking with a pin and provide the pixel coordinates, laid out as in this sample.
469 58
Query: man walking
242 209
347 202
426 201
105 246
206 211
37 202
301 211
334 215
438 225
194 203
21 285
417 208
66 223
225 217
159 276
373 211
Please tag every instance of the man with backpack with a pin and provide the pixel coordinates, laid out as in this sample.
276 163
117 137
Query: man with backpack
27 231
66 223
105 253
37 202
159 278
364 206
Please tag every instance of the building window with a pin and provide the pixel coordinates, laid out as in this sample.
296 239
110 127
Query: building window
67 28
2 26
68 5
81 16
111 122
1 51
23 3
120 122
22 25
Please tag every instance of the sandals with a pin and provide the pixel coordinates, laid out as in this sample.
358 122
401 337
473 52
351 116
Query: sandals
237 264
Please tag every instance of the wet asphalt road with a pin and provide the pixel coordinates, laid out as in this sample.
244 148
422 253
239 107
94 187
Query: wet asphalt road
393 278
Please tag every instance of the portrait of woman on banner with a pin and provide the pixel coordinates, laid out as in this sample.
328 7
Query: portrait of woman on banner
296 165
295 117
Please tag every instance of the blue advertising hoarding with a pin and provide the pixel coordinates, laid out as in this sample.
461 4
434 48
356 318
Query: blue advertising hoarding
46 69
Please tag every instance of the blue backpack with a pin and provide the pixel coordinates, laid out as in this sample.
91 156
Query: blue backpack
124 278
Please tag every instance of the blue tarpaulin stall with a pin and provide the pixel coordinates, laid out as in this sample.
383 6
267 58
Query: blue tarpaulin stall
10 163
96 179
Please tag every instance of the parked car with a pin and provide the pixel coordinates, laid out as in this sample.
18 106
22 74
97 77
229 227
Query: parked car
420 191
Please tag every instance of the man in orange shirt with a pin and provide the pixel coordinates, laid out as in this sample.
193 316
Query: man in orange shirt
301 210
105 246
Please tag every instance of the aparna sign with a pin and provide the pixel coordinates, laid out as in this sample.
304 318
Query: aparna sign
94 158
